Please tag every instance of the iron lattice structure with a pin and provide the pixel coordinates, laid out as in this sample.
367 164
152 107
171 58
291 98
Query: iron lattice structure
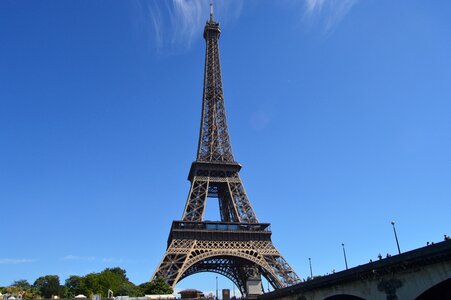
238 247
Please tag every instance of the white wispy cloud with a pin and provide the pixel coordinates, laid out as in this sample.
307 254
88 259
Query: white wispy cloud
77 258
175 23
15 261
109 260
122 260
112 260
187 18
327 13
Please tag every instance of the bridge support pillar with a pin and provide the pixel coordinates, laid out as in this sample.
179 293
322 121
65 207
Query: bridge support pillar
389 287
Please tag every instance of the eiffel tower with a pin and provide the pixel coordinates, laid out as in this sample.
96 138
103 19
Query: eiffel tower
238 247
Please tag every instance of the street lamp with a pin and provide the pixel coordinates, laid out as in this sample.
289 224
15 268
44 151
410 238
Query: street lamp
344 255
216 287
310 263
396 236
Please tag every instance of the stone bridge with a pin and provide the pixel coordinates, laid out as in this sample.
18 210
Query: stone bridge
423 273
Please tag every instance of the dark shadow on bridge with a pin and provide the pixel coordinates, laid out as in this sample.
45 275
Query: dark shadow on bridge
438 291
343 297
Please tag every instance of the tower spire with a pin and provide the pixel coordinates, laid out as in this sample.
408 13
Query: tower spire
214 142
211 11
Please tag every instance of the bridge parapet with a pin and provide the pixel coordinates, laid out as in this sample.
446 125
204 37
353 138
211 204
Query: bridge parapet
405 276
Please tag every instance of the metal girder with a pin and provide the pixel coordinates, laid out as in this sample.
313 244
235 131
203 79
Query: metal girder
234 205
197 198
233 269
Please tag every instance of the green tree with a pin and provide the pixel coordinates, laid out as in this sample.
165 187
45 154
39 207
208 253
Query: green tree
128 288
76 285
112 279
115 279
48 286
156 287
121 273
22 284
92 284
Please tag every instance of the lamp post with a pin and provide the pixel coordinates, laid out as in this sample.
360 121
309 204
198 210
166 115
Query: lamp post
396 236
216 287
310 263
344 255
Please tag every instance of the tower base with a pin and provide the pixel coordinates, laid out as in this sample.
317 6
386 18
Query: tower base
254 287
238 251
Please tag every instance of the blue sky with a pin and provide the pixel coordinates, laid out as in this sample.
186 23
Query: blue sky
339 111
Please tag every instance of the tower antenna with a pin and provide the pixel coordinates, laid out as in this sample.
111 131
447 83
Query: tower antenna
211 10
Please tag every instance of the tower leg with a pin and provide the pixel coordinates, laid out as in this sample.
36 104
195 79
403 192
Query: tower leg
173 261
